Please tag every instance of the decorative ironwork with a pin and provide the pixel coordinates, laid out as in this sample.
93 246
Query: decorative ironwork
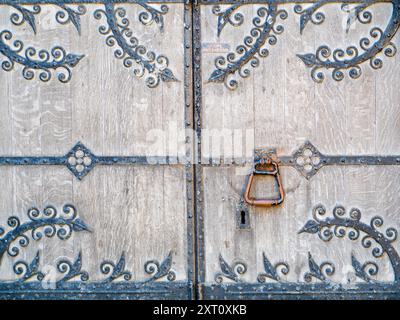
265 30
28 271
157 270
130 51
366 270
72 270
115 270
323 287
308 160
339 226
272 271
80 160
77 290
230 272
74 282
48 223
153 67
31 59
318 271
350 59
228 16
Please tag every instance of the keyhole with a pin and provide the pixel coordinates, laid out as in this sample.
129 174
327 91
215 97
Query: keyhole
242 217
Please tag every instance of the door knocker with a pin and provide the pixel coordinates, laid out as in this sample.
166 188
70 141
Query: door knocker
265 164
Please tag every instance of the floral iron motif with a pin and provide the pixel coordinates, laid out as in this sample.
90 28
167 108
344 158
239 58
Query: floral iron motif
115 270
264 32
58 60
272 271
318 271
158 271
28 271
366 270
48 223
130 51
338 226
72 269
265 29
42 60
230 272
308 160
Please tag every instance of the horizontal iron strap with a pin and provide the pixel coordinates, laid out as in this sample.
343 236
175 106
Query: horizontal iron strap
102 160
290 161
347 160
97 290
160 160
299 291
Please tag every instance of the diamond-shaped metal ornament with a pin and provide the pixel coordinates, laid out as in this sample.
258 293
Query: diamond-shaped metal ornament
308 160
80 160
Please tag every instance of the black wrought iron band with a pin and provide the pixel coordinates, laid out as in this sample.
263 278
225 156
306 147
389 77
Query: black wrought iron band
97 291
317 282
80 160
197 125
136 57
189 168
266 28
290 291
306 159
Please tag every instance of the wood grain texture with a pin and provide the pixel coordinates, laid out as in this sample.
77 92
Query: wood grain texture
132 209
349 117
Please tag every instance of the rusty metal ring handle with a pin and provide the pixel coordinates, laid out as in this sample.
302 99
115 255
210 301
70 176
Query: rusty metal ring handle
268 167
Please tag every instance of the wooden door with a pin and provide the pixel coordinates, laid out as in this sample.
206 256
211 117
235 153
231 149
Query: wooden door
316 81
95 202
139 139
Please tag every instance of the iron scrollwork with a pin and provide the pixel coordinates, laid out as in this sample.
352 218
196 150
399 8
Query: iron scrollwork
130 51
265 30
114 271
47 223
73 277
318 277
339 226
231 272
149 65
42 60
